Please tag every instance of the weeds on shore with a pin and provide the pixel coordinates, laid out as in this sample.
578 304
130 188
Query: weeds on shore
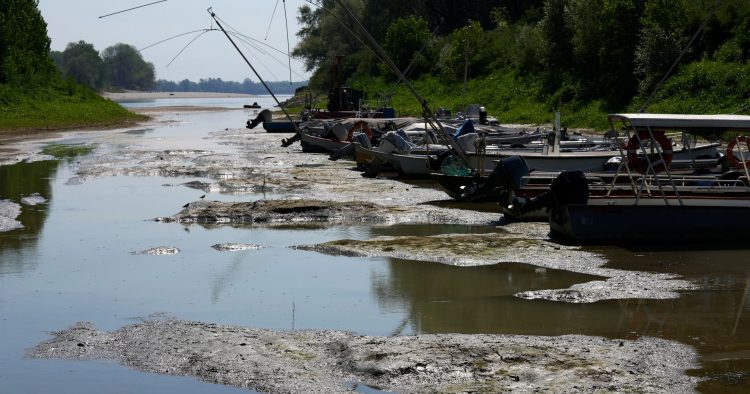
61 105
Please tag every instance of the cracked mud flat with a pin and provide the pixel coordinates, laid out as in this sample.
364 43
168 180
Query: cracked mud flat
325 361
494 248
9 212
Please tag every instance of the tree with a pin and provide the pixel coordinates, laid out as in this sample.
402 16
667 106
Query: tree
327 32
604 35
81 62
125 68
24 44
557 53
404 40
662 39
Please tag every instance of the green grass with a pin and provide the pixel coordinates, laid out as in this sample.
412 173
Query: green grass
705 87
61 151
510 98
58 107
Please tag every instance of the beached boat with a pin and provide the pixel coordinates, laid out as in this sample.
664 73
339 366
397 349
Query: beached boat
587 159
661 207
329 136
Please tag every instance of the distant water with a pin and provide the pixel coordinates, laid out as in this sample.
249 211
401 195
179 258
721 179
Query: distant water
265 101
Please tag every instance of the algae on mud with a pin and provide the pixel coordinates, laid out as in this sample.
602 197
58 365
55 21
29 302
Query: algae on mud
495 248
323 361
60 151
241 162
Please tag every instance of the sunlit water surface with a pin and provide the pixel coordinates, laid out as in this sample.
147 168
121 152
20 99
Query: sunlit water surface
73 262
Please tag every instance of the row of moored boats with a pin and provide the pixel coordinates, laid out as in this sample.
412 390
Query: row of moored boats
650 178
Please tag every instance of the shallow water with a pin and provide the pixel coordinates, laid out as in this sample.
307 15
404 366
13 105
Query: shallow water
72 262
265 101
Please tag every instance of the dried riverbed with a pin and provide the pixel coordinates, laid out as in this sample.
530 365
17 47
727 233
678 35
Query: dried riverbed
304 189
325 361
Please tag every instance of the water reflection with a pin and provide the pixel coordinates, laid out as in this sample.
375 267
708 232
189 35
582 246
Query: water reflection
436 298
16 182
440 298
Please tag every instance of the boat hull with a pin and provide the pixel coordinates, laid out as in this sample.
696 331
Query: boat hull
650 223
586 161
281 126
313 144
407 166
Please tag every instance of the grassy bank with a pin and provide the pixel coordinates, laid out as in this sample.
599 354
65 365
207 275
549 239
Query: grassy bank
699 88
61 106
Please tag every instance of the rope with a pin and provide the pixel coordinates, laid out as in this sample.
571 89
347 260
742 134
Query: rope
131 9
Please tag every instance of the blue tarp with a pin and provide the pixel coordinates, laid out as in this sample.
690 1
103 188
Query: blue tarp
466 128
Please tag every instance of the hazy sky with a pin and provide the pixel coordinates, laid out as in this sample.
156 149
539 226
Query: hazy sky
211 55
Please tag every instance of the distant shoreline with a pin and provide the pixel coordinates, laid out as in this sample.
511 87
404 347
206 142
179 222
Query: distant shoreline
128 96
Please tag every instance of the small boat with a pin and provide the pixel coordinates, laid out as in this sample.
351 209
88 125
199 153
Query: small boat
330 136
662 208
253 105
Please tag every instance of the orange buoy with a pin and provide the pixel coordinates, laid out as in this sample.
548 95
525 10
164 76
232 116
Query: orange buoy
641 164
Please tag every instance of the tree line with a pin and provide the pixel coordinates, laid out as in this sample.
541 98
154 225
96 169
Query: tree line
218 85
120 66
614 52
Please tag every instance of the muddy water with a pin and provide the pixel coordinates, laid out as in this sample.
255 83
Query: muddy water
73 261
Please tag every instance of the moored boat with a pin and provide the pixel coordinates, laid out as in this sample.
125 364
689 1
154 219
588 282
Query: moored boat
668 210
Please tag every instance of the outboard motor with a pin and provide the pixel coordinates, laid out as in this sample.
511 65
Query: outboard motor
483 116
570 187
263 116
507 174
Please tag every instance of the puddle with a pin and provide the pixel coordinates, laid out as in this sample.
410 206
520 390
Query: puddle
72 261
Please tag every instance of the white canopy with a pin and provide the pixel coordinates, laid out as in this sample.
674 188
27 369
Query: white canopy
696 124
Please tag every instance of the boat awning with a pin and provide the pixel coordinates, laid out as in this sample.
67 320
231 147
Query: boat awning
694 124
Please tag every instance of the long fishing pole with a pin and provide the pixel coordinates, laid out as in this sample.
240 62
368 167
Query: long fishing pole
262 52
186 46
278 103
234 32
270 22
131 9
157 43
288 50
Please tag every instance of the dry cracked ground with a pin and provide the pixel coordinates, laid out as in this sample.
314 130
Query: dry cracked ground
308 188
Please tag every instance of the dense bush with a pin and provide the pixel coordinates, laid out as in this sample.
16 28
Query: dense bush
584 57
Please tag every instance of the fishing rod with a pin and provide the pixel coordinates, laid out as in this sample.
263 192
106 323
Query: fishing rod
270 22
159 42
278 103
233 31
251 46
131 9
288 49
186 46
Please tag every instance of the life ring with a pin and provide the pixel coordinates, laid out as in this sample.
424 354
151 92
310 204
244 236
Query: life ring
730 154
359 125
641 164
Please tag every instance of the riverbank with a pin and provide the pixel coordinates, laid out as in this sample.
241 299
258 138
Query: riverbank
136 96
18 132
